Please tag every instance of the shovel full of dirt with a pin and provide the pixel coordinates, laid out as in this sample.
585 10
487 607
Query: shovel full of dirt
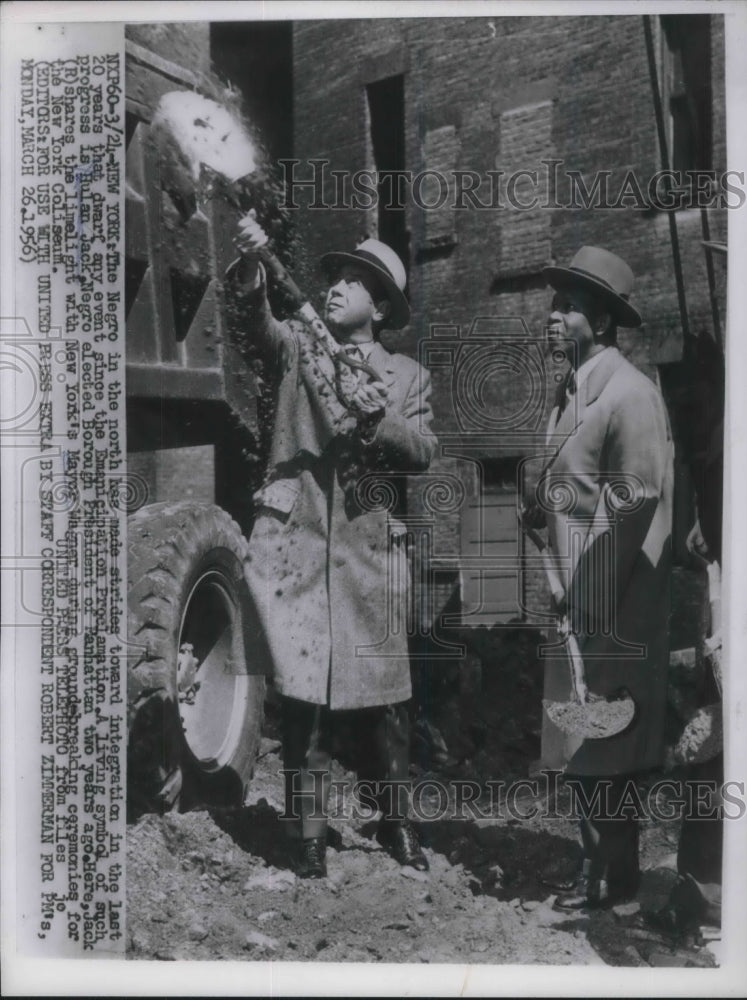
205 151
588 715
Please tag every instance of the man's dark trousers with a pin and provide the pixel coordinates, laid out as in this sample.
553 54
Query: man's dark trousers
382 736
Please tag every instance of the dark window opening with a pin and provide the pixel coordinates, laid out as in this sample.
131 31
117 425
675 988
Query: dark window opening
499 474
687 89
386 107
257 58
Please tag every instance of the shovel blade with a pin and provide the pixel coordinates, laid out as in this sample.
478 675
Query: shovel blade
595 719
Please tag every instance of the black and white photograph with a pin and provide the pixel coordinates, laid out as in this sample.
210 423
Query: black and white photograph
372 439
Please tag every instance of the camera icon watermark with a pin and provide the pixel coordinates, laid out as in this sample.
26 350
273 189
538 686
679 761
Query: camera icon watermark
493 380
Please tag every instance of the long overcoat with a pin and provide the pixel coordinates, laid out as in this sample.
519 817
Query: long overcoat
327 564
608 494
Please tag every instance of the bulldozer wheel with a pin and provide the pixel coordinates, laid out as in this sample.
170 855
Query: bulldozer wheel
194 709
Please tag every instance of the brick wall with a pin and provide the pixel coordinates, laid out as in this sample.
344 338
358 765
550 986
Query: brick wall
186 44
504 94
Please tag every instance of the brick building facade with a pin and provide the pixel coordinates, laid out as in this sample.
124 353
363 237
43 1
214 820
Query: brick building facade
510 94
475 101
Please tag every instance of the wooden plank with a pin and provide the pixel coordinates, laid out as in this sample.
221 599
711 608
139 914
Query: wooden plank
147 58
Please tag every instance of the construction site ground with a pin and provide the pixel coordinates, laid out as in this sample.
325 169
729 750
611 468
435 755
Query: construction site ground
219 884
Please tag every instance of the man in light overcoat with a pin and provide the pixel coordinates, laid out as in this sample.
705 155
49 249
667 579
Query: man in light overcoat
606 496
327 565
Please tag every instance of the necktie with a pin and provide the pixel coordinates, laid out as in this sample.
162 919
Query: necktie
570 391
353 351
356 353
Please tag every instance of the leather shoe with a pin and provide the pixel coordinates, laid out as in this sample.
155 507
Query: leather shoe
688 906
580 897
311 862
560 882
591 894
400 840
668 919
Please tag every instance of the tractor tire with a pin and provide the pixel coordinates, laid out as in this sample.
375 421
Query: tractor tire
195 693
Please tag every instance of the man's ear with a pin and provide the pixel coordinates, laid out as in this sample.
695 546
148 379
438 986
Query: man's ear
602 325
382 311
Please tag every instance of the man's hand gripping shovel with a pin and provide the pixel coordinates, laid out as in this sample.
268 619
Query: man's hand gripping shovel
586 715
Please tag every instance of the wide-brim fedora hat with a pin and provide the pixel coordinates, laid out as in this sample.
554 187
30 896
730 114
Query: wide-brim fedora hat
387 268
603 273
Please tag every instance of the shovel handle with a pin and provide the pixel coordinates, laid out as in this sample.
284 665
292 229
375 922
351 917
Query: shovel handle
714 595
304 308
578 678
714 598
553 577
311 316
282 275
213 184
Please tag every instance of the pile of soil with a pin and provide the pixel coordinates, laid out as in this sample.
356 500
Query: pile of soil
220 884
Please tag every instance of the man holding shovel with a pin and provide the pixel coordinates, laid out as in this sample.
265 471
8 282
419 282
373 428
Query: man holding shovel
605 497
696 896
327 563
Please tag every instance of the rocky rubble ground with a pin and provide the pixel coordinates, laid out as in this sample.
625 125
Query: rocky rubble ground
219 884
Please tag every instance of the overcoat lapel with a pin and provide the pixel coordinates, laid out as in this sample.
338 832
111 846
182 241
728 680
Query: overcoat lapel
575 412
600 376
572 419
383 362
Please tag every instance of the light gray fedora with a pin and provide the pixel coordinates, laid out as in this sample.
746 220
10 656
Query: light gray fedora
384 263
603 273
